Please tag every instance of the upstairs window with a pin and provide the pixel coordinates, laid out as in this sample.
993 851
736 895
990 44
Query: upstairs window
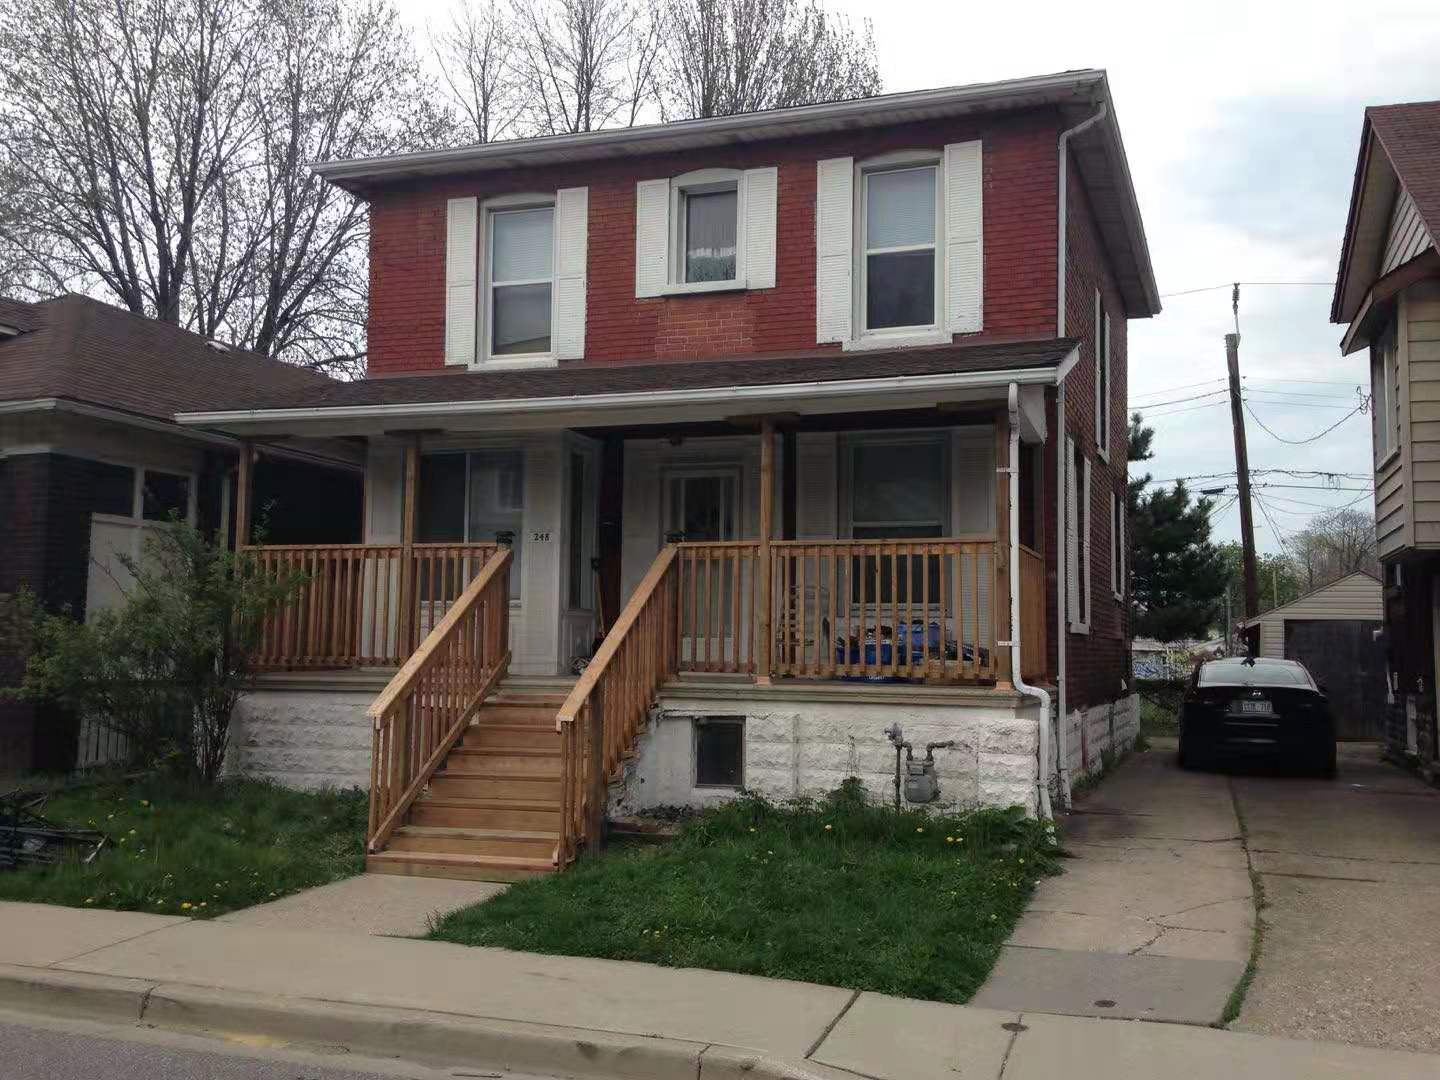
521 265
1385 397
709 230
900 250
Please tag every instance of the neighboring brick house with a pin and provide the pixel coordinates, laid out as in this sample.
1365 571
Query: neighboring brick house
91 458
770 367
1387 296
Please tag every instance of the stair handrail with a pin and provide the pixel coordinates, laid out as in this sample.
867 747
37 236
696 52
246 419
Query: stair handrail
602 717
428 703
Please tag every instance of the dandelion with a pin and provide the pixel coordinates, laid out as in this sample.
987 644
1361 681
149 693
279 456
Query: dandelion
949 839
1022 862
202 903
828 827
185 906
144 802
919 828
132 832
90 899
994 917
752 828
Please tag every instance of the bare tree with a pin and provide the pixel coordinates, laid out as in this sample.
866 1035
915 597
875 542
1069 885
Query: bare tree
163 147
477 57
1334 544
721 57
585 64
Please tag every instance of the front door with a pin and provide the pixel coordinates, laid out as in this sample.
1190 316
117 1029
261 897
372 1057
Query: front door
703 506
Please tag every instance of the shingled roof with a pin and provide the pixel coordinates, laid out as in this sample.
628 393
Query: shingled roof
1410 134
77 349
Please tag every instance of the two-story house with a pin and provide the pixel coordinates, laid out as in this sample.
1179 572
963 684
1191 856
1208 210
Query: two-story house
1387 295
779 429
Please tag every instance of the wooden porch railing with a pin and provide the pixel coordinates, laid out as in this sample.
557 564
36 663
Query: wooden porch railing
432 697
361 604
718 604
1033 657
885 609
607 708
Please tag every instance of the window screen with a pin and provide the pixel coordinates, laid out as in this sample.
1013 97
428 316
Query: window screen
710 229
900 248
521 260
720 751
165 496
112 489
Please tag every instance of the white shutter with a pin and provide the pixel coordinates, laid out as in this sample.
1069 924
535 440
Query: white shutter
1072 537
816 476
834 226
964 260
462 237
761 190
572 226
652 237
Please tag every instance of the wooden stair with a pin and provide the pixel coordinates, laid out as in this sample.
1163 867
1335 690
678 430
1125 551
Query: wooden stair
491 812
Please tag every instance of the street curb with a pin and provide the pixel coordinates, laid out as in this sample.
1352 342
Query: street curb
109 998
387 1032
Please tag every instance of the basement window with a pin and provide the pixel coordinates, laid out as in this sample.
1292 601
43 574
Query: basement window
719 751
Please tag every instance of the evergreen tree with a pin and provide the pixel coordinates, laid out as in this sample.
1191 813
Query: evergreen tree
1177 574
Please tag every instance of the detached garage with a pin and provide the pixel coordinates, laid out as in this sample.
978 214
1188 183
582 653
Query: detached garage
1334 631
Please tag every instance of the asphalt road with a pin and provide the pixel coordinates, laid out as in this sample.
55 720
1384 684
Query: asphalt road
52 1050
1350 869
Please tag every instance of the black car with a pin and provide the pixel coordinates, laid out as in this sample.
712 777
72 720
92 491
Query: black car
1256 707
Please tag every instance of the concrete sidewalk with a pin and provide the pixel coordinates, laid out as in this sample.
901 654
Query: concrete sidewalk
1153 917
433 1002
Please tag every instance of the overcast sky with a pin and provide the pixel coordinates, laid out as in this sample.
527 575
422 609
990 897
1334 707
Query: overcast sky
1241 121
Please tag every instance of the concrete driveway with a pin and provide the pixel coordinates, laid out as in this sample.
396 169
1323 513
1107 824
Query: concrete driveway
1152 919
1351 875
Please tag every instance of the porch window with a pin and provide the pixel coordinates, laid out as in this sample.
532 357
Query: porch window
899 242
702 505
520 262
899 491
469 497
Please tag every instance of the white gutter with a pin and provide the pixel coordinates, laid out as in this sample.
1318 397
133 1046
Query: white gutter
1041 696
1060 241
1046 375
1062 592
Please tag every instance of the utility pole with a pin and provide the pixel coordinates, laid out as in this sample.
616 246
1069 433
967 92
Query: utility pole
1242 470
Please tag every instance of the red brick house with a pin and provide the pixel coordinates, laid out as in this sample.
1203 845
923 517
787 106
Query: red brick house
91 460
789 426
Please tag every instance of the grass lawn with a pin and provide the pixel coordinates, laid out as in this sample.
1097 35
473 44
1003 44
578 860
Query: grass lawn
175 849
834 892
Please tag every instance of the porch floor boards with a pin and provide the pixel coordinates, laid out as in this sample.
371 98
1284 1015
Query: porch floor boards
492 810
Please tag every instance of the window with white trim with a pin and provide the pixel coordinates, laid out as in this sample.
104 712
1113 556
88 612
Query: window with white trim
519 281
123 491
900 281
710 230
1102 378
1385 397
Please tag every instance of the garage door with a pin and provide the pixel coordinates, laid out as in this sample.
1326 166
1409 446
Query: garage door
1344 655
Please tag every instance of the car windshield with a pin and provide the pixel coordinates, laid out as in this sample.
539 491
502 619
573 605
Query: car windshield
1260 673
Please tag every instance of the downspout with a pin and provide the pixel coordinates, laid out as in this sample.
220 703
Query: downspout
1061 561
1041 696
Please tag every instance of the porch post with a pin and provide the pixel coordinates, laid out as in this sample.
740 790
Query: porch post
765 570
409 510
1000 602
243 480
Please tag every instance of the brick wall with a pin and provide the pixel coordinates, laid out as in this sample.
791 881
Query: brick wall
1097 662
407 248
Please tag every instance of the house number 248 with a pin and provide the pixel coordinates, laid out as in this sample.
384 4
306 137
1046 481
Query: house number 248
540 537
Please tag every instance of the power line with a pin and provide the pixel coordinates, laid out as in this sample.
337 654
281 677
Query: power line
1182 386
1314 382
1232 284
1188 408
1310 439
1184 400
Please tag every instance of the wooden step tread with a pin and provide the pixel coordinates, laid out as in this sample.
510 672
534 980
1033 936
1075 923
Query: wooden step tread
508 751
475 834
441 858
488 802
497 774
